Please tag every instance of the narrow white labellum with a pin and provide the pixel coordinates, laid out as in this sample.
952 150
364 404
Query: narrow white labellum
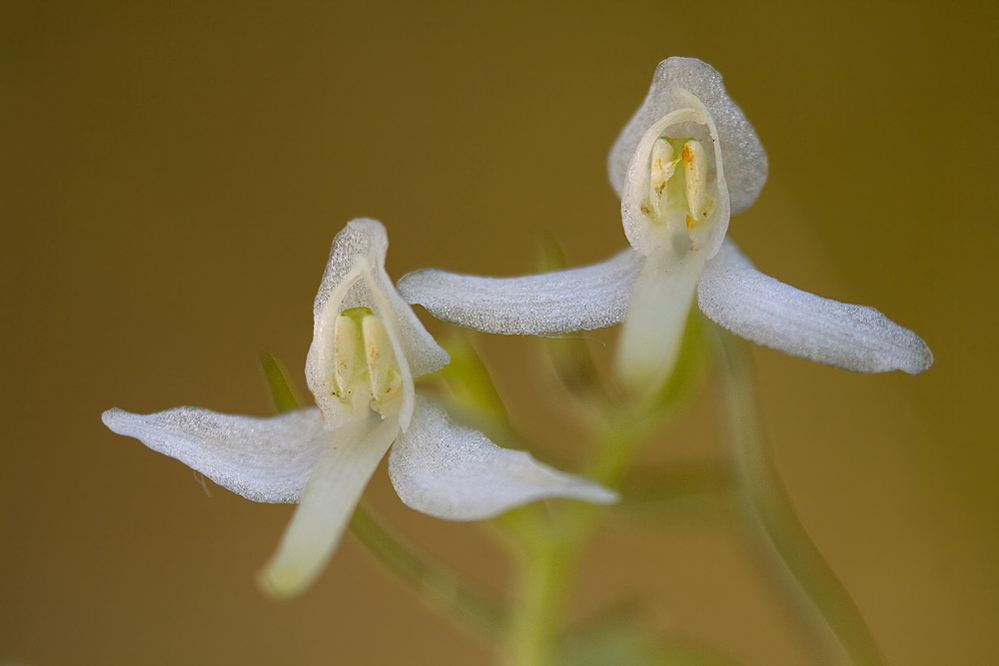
334 487
657 317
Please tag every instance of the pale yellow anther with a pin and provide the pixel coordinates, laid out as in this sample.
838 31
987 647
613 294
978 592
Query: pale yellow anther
348 357
383 370
680 195
365 370
695 168
662 167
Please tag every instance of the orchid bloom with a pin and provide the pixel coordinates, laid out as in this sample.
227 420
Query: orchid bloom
683 164
367 347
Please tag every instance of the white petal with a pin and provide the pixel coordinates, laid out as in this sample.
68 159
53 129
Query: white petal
577 299
745 161
657 318
456 473
327 503
759 308
262 459
355 277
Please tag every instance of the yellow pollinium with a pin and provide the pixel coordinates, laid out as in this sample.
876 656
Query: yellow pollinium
676 192
365 369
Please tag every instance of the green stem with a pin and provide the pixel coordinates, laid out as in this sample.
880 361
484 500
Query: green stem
439 587
553 540
820 599
546 571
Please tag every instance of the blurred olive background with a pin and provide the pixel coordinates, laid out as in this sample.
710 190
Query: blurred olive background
173 174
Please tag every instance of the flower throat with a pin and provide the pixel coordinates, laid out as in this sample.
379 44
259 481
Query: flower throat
366 372
678 193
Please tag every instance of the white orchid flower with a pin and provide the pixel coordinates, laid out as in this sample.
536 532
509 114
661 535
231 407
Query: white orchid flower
367 348
685 162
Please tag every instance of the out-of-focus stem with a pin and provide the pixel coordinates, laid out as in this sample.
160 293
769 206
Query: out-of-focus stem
553 542
439 587
817 596
553 538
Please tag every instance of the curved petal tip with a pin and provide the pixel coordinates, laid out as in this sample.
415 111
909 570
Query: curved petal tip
452 472
735 295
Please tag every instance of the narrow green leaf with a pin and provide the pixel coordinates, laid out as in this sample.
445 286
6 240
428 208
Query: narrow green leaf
626 636
699 492
448 592
471 385
569 354
282 392
817 599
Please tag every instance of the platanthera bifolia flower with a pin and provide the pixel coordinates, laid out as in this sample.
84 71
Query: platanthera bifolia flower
366 349
683 164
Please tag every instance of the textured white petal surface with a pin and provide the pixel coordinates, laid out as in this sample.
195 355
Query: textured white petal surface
759 308
456 473
577 299
745 161
657 317
262 459
355 277
343 470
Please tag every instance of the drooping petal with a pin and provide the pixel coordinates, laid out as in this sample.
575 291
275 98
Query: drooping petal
355 277
657 316
754 306
456 473
328 500
262 459
744 157
577 299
